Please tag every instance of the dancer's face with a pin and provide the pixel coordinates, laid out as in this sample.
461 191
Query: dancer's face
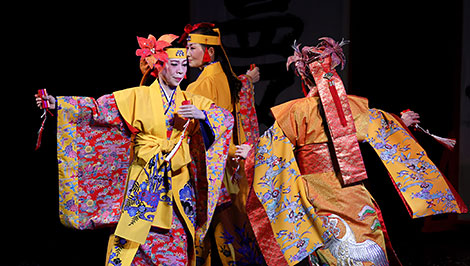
174 70
195 54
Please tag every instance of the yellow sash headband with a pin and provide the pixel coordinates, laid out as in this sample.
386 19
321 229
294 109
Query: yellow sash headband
176 53
205 39
210 40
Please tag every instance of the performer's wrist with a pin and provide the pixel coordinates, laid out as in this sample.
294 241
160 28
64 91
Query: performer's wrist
203 116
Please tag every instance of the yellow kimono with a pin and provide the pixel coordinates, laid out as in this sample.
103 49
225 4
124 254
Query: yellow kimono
307 200
212 84
299 206
233 235
159 175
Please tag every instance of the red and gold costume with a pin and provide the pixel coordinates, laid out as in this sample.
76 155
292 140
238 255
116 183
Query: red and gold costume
127 159
307 200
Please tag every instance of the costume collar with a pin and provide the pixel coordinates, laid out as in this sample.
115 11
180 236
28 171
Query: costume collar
211 69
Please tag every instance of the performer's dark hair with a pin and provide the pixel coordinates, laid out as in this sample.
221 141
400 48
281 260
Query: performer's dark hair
234 83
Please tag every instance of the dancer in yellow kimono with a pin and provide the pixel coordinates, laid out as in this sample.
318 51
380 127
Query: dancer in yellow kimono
307 201
137 159
232 236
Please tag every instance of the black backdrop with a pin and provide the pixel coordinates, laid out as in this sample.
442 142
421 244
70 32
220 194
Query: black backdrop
402 55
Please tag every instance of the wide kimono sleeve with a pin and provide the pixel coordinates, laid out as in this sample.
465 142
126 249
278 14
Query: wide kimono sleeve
283 219
93 157
208 163
422 187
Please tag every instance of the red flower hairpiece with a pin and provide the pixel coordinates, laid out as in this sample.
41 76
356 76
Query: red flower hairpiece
152 51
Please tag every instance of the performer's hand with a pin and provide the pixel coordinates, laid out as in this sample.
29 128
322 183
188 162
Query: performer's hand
410 118
191 111
253 74
49 98
242 150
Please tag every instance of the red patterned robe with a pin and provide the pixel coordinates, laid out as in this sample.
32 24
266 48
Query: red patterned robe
98 143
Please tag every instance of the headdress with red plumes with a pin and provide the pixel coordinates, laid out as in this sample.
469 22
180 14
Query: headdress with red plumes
328 47
302 57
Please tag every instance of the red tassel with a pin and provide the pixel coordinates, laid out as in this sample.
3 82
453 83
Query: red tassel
41 129
337 101
45 106
207 57
303 89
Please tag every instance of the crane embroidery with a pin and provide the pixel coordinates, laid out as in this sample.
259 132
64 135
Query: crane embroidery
346 250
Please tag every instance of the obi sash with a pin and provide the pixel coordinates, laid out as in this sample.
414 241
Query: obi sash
314 158
149 196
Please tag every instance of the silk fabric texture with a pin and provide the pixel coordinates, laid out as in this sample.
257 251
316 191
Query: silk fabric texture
140 119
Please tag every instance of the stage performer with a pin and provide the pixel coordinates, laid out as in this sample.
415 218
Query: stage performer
232 235
307 200
138 158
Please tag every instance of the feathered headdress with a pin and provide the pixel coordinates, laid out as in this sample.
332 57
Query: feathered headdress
327 47
302 57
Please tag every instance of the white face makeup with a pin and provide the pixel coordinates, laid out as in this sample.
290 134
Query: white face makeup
174 71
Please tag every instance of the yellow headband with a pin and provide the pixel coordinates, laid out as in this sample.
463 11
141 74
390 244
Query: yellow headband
177 53
204 39
210 40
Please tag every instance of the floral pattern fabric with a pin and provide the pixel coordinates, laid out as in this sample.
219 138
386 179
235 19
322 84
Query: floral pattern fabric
233 236
165 249
423 188
321 216
279 189
93 155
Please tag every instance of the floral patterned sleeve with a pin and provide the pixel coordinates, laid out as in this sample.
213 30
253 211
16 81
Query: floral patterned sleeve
93 155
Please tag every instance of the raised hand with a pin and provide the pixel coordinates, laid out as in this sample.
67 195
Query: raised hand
410 118
242 151
191 111
253 74
49 98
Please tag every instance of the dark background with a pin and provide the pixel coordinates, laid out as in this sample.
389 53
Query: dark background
402 55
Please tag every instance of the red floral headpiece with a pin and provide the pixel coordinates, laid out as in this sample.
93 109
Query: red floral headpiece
152 51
